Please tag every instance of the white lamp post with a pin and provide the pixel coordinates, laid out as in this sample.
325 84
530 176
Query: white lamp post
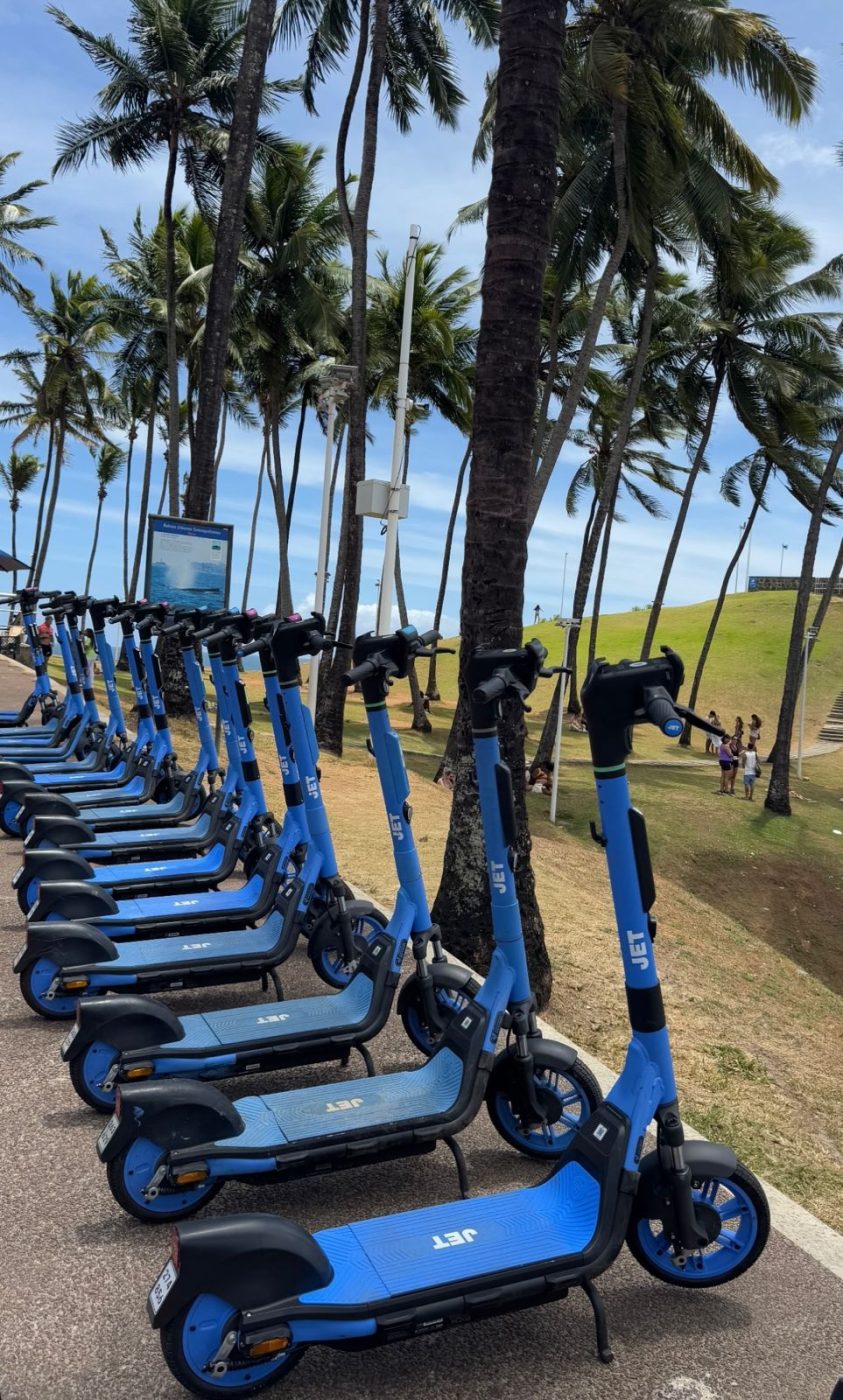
393 510
568 623
335 387
806 652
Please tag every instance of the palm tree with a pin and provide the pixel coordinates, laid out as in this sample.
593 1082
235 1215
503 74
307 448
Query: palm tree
506 384
17 475
174 86
31 416
408 55
778 791
431 690
753 338
16 219
643 122
110 463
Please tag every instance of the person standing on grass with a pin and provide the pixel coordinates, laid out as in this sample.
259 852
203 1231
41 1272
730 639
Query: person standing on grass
750 770
711 739
739 729
724 758
754 728
736 749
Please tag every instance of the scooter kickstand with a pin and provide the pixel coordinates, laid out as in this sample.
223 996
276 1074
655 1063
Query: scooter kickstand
601 1326
368 1061
462 1170
276 982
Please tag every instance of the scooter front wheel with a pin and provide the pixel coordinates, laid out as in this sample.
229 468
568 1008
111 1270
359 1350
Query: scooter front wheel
195 1336
130 1173
567 1097
740 1225
325 944
452 993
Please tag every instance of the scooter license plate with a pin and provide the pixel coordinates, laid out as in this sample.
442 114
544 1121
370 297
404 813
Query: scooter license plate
108 1132
162 1286
69 1039
17 876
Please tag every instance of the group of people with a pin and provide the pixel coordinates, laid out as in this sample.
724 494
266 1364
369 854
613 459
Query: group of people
733 754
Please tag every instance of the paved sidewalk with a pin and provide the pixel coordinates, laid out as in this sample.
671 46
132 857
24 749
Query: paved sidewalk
76 1271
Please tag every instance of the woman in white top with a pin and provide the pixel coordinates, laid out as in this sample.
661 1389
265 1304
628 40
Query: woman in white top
750 770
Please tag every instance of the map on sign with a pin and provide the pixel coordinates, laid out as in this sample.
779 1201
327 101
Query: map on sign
188 562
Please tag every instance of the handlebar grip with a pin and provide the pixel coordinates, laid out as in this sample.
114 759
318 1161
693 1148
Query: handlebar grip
249 648
429 639
662 713
492 689
360 673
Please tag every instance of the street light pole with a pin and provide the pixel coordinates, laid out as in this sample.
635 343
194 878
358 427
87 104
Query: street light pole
781 560
564 575
336 385
391 542
568 623
809 637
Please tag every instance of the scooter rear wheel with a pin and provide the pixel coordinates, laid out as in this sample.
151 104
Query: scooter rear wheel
131 1171
196 1334
87 1072
744 1213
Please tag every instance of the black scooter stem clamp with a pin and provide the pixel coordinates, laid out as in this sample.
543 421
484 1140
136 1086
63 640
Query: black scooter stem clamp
379 660
501 673
297 636
618 696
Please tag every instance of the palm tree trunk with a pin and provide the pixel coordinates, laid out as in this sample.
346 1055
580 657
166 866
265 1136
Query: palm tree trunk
127 502
614 466
431 689
682 515
778 792
283 597
420 723
165 481
217 464
253 532
824 603
100 499
570 404
143 508
227 236
13 507
332 707
294 475
173 417
345 119
331 495
525 141
685 739
601 575
61 429
42 500
550 379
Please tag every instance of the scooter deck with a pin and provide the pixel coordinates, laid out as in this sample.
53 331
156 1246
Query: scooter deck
223 1030
154 871
387 1100
233 945
391 1255
137 912
105 842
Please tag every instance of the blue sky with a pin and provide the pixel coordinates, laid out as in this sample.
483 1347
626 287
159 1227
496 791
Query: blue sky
424 178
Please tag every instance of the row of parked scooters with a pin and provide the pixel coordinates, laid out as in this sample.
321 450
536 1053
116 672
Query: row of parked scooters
123 886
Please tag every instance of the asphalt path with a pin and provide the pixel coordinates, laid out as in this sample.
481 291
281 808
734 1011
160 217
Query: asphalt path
75 1271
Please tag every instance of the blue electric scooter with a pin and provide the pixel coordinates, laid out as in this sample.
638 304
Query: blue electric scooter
65 961
246 828
42 696
169 1148
349 943
243 1297
77 714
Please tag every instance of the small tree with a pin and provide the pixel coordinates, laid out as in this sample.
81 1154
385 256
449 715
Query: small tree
110 463
17 476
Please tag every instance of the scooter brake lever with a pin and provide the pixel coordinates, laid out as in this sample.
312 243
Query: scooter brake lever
697 721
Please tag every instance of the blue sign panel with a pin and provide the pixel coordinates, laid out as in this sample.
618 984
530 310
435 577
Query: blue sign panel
188 562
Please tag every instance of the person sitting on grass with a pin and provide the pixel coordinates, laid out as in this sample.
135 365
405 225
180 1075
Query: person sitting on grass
750 770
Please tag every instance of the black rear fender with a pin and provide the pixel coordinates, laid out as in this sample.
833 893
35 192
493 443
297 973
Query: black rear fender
249 1260
126 1023
73 899
15 773
65 944
172 1115
40 803
61 833
50 866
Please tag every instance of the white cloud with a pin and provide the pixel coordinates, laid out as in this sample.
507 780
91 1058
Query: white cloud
781 149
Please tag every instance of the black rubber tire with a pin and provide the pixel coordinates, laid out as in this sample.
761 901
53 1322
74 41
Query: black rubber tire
76 1070
171 1336
114 1175
751 1187
324 936
448 979
578 1074
34 1004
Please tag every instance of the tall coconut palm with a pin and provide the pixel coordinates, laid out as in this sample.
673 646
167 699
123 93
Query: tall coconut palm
17 219
173 87
110 463
30 415
17 475
753 337
644 117
431 689
408 54
506 385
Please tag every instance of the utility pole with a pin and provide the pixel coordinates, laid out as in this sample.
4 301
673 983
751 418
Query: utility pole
334 388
